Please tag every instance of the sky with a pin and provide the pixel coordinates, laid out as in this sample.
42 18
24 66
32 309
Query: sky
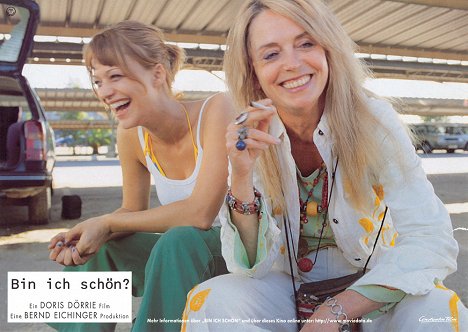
59 76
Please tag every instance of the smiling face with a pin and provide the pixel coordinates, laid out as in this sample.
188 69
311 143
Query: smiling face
127 97
290 66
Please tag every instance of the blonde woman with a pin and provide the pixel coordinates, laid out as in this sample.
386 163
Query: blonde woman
176 245
315 163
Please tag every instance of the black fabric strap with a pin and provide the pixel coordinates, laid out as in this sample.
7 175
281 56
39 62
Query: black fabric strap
376 239
286 221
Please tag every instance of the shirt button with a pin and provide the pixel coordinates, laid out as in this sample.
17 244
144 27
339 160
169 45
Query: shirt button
335 221
320 133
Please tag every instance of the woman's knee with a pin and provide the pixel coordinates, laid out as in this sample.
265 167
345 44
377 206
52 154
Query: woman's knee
217 295
247 293
181 238
181 232
440 306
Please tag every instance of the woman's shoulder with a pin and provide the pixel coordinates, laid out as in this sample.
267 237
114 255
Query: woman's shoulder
218 112
219 107
129 144
128 134
378 105
384 110
218 100
128 137
390 120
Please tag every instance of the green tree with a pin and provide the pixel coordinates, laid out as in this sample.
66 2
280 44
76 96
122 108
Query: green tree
92 137
97 138
76 134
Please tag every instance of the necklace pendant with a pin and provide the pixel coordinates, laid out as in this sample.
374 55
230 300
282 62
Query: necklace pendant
305 264
312 208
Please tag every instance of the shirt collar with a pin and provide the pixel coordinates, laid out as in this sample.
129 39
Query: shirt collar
277 128
323 124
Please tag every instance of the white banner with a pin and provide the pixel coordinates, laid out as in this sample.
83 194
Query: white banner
40 297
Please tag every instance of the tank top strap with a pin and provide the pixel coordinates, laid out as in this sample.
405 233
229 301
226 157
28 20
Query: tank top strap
200 119
195 147
149 151
145 143
141 138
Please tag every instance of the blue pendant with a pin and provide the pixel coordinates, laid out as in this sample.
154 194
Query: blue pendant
240 145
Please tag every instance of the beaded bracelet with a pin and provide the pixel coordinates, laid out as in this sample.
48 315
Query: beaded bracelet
245 208
341 317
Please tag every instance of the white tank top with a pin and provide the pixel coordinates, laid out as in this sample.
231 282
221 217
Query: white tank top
170 190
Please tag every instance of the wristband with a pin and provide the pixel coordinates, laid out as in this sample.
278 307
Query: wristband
337 310
245 208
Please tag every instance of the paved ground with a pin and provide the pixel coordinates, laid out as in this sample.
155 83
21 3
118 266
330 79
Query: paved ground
23 248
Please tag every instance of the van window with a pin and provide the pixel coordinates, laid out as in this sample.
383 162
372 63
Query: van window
10 45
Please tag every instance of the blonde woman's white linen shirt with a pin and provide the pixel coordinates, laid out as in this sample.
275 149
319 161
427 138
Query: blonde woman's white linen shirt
416 247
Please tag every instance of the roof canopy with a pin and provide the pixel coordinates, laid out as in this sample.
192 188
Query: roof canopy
423 29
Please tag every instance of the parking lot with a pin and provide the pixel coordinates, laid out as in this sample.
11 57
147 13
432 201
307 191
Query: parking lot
98 181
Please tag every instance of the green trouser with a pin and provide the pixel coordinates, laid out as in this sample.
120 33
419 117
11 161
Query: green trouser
165 268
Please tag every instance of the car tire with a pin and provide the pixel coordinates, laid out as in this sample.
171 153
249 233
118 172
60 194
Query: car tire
39 207
426 147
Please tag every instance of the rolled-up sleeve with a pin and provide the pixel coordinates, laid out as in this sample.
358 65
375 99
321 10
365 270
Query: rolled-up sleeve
268 244
390 297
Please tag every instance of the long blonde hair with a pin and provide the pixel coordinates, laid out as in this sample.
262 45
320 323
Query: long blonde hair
351 122
143 43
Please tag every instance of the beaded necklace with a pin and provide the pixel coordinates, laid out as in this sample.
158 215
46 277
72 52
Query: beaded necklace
312 208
